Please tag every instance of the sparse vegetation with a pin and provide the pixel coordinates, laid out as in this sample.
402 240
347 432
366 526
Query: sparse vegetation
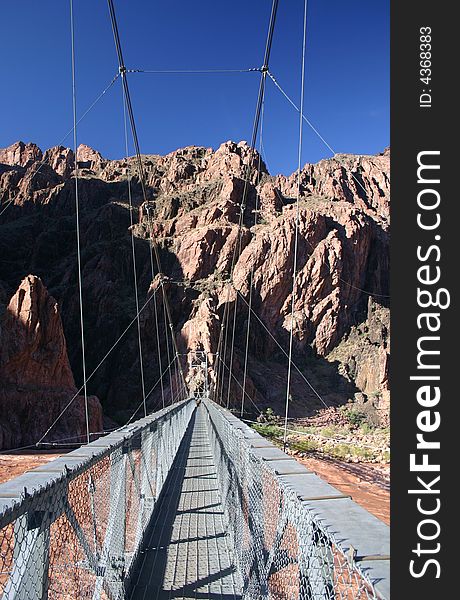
354 440
354 416
365 428
305 445
268 431
268 416
330 432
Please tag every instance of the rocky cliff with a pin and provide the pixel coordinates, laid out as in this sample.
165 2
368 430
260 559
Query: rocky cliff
341 306
36 379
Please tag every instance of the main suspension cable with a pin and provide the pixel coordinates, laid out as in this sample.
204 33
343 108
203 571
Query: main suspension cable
251 277
77 217
255 129
123 73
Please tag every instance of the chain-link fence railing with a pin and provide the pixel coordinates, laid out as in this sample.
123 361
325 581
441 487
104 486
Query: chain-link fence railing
72 528
283 547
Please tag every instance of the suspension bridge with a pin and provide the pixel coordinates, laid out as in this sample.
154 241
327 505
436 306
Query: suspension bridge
188 501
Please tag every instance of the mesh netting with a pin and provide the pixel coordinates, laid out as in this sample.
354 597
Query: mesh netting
282 551
78 536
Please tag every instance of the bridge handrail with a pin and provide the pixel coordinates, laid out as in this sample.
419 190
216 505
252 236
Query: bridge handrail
292 531
74 526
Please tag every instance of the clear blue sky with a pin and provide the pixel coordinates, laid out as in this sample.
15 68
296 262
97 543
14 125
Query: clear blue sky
347 75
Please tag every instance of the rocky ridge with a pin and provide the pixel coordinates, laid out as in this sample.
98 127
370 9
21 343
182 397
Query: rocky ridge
194 197
37 381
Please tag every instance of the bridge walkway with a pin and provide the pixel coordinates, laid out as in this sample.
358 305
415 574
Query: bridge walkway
187 553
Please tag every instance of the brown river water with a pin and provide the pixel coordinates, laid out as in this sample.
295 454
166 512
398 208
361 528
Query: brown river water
367 484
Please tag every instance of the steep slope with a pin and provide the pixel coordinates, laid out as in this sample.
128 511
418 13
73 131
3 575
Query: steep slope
193 213
35 374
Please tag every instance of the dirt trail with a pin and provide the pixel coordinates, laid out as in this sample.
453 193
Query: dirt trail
12 465
368 484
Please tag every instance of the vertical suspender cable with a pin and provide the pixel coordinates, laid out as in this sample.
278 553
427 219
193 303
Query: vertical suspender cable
220 373
155 309
77 216
223 335
255 129
176 373
232 350
123 72
296 238
251 279
223 350
168 353
160 362
133 252
222 345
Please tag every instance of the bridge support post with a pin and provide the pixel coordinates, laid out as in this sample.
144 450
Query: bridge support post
160 466
147 484
29 579
111 568
316 565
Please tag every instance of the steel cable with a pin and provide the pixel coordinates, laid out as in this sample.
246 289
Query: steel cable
77 217
237 249
133 253
142 178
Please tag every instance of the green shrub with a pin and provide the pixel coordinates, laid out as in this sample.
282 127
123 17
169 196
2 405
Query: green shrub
354 416
268 430
339 450
365 428
306 445
329 432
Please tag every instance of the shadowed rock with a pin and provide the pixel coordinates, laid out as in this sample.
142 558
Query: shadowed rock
193 212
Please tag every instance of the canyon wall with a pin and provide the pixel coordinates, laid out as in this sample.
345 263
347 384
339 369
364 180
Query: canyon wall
37 382
341 333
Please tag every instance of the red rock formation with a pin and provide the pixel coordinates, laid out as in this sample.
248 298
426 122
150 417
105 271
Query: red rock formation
20 154
363 355
201 332
36 381
194 197
61 160
88 158
36 353
359 180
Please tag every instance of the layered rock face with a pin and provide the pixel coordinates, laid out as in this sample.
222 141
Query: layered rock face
36 381
194 215
20 155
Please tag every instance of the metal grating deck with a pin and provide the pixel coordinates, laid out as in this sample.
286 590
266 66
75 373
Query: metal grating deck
187 553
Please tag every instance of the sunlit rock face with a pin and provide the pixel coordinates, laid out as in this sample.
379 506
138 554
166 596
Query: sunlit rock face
36 381
194 216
